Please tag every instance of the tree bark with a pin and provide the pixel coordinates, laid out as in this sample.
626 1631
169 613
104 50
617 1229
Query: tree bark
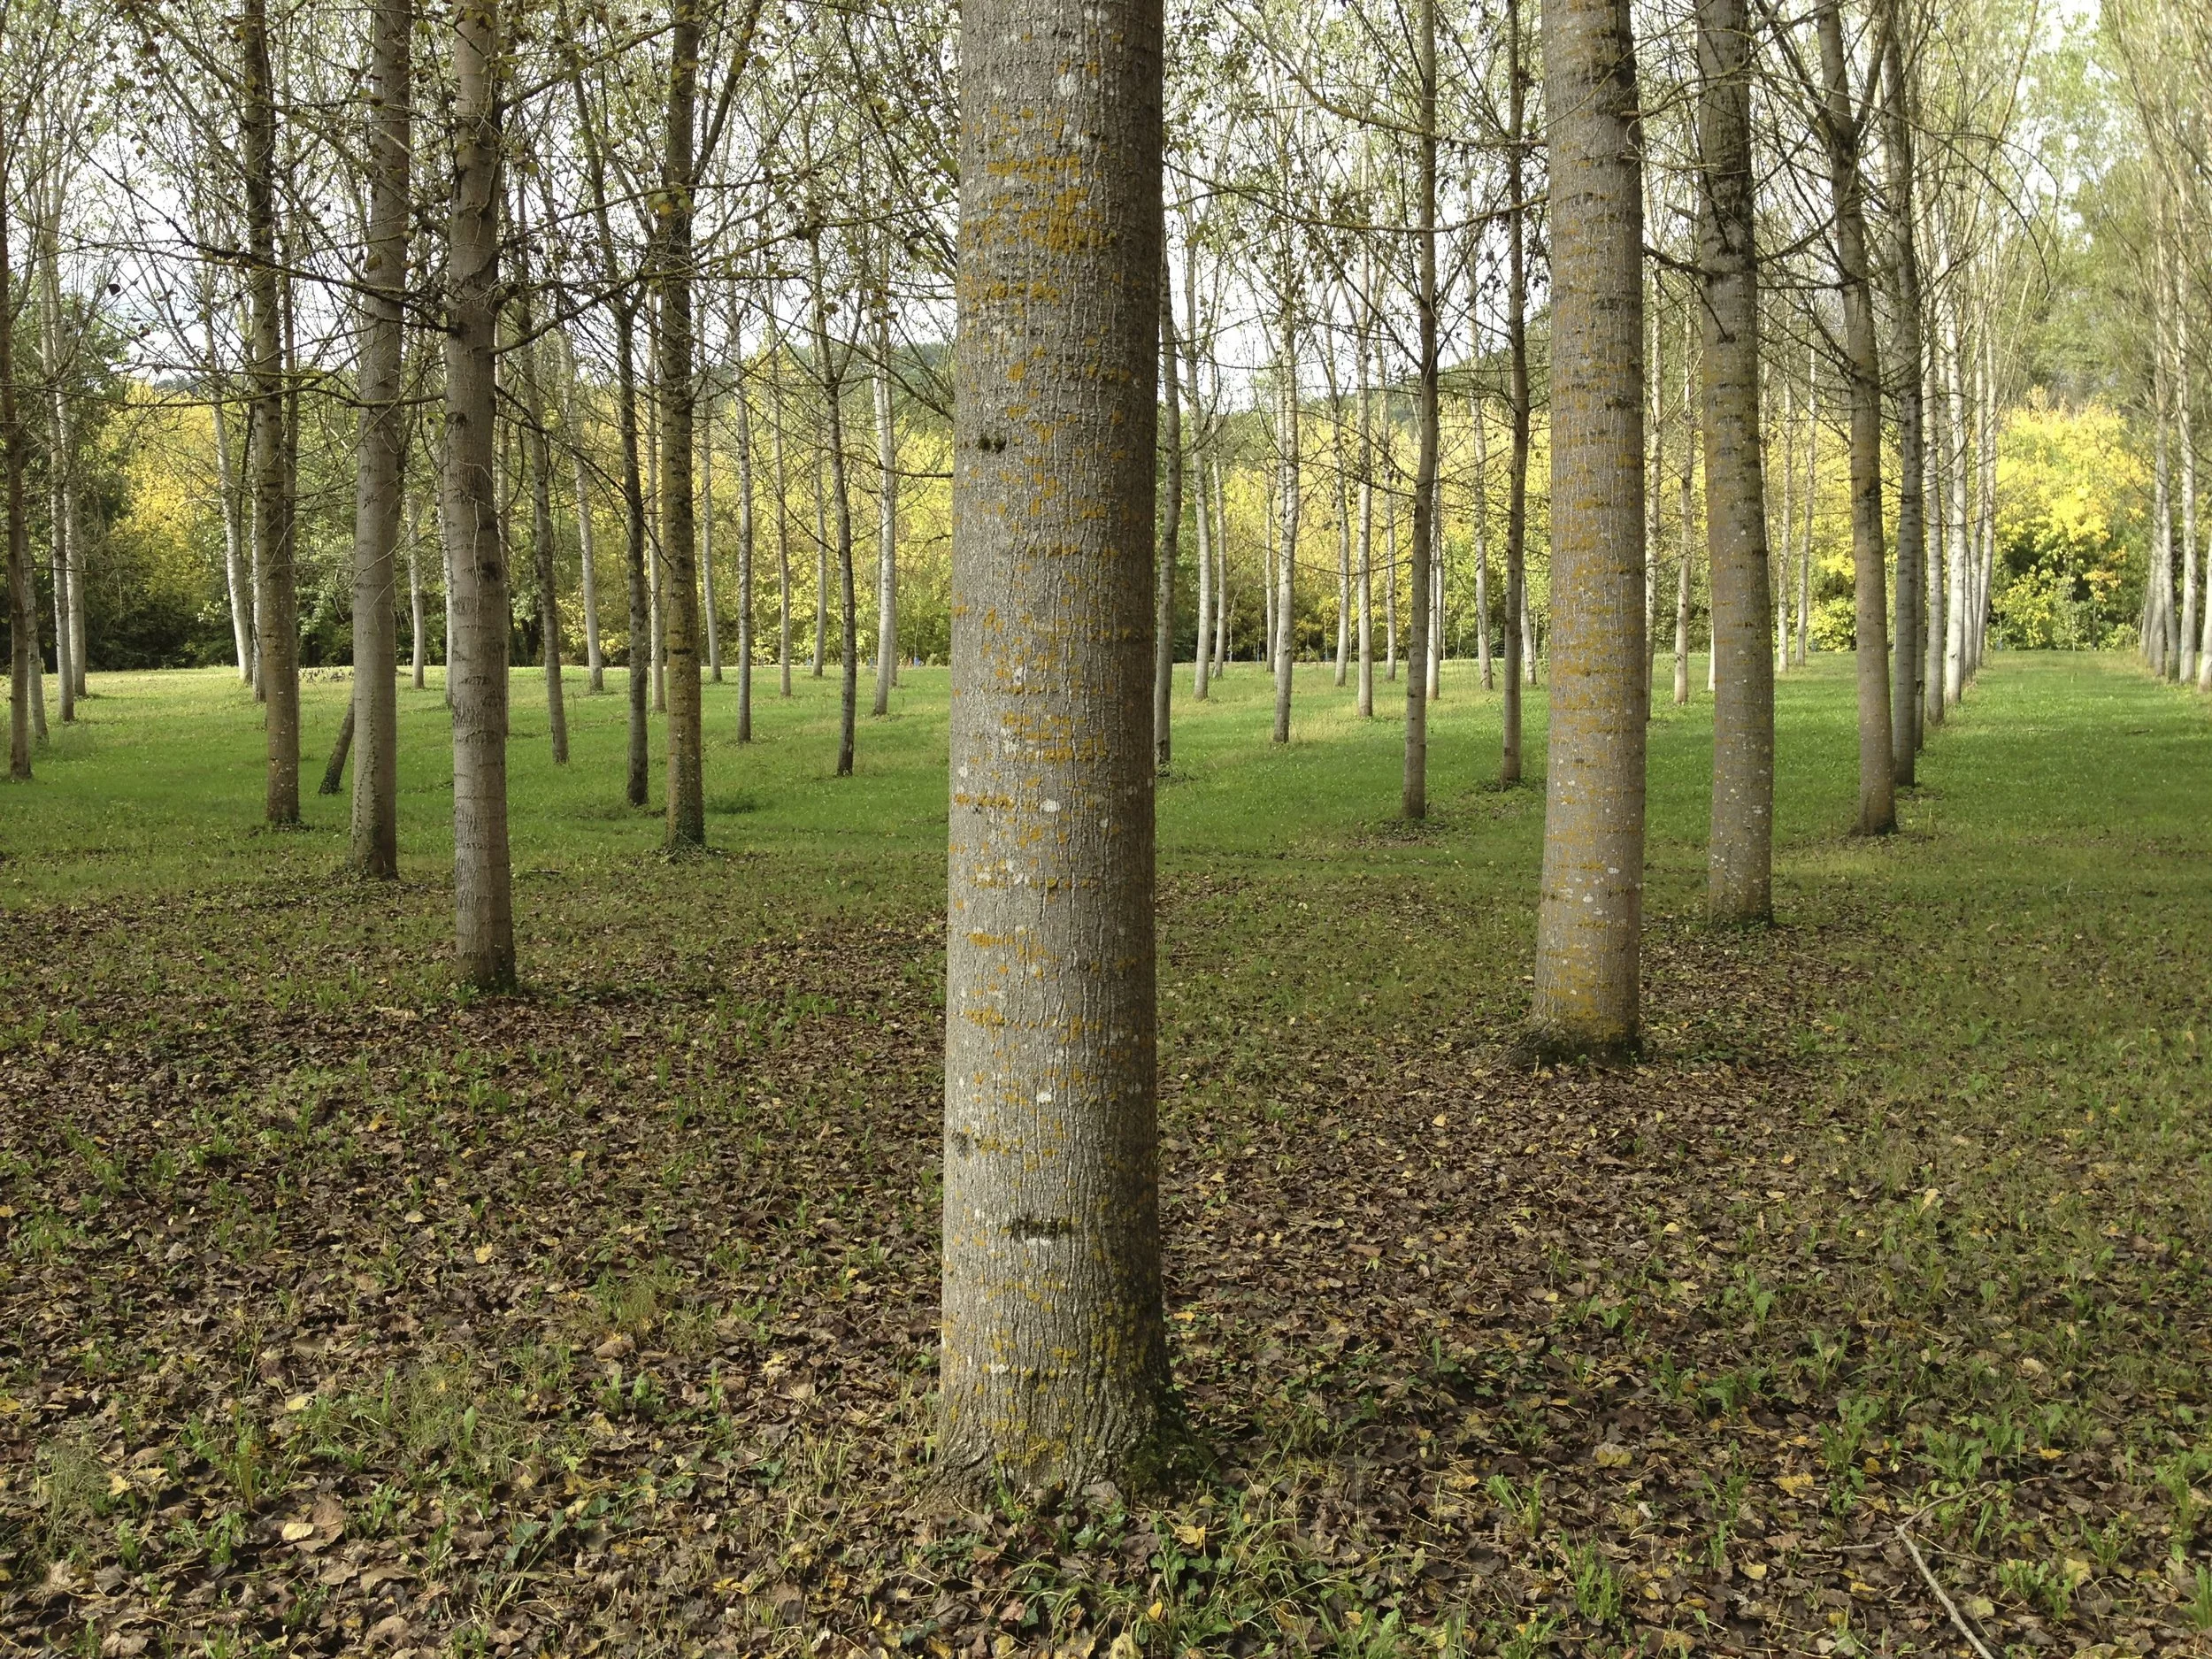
783 520
476 680
417 645
1518 394
1362 351
1912 522
842 504
1413 801
1740 857
680 547
1840 132
277 596
1685 483
381 446
334 773
1590 916
887 513
1055 1358
537 450
1288 495
1171 530
742 406
22 591
60 464
711 609
1202 663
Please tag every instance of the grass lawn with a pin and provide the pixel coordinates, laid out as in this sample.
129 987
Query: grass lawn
340 1310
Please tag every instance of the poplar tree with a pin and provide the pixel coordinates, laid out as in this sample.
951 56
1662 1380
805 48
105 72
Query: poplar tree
1055 1354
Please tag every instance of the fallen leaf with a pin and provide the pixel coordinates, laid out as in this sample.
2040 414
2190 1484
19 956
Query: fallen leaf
295 1530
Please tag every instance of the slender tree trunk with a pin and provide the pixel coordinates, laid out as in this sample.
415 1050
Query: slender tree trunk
417 645
1788 516
841 501
1289 497
1986 505
678 392
1221 573
1841 131
61 454
1685 482
783 525
1912 525
1590 917
1934 492
537 450
22 590
587 557
742 408
642 654
235 579
1201 667
1170 531
656 549
1812 503
276 601
1055 1362
381 469
2159 592
887 519
1517 394
1264 651
1390 580
477 682
334 774
1481 516
1739 860
820 663
2185 455
710 610
1362 352
1955 399
1413 794
1343 542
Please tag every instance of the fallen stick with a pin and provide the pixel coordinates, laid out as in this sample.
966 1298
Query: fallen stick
1950 1607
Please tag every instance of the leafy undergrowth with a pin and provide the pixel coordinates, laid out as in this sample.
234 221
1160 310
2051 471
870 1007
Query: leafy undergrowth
344 1315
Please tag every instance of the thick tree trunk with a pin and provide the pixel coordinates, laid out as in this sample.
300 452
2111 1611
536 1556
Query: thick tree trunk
22 590
1590 918
679 547
1841 131
276 601
1518 394
381 446
1739 856
476 680
1912 522
1055 1362
1170 531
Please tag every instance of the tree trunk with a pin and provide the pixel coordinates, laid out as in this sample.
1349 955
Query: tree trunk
886 514
1812 503
783 520
1740 857
1390 580
1361 351
277 598
1841 131
1413 792
1590 918
22 590
2158 591
1937 449
476 680
1288 500
1518 394
711 609
1481 516
1055 1359
643 653
416 644
1201 665
2185 455
1171 530
537 450
1685 483
841 501
742 408
60 464
1221 572
679 547
587 557
334 773
380 447
1912 525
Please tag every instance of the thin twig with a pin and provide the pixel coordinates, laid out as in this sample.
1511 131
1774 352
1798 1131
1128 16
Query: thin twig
1950 1607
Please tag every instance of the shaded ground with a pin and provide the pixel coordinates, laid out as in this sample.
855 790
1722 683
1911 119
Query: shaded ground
340 1313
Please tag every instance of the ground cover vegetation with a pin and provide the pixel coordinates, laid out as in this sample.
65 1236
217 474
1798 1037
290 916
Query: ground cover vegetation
346 1309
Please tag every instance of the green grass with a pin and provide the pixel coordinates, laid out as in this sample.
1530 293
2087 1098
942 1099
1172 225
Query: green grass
1901 1219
